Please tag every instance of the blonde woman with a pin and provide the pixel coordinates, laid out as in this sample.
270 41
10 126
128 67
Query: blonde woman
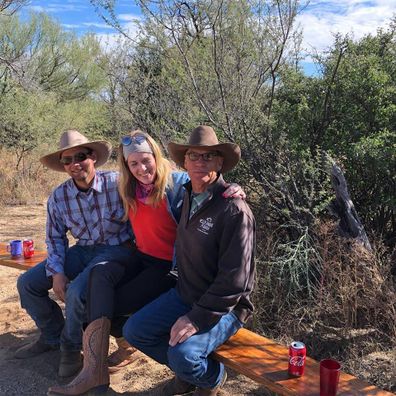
152 194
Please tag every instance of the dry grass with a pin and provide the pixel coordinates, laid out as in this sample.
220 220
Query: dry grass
28 183
321 289
344 306
359 285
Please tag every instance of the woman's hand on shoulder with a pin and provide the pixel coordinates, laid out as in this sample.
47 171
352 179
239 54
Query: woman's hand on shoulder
234 191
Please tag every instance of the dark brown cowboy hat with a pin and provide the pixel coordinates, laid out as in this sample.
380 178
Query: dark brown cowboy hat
71 139
205 137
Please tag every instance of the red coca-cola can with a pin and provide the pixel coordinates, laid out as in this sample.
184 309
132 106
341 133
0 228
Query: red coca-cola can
28 248
297 353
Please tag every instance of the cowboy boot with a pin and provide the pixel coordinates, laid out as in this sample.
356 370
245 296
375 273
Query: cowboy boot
33 349
71 362
176 386
94 374
211 391
124 355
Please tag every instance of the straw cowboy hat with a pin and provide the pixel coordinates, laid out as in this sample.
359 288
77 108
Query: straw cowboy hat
71 139
205 137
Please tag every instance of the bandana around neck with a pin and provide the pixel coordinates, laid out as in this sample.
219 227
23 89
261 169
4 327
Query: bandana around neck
143 191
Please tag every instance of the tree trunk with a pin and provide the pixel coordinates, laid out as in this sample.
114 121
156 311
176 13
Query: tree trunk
342 206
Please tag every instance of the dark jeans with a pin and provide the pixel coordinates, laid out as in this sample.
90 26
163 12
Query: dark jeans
149 329
33 287
117 289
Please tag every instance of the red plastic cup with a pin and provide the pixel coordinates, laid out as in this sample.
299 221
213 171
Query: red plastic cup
329 377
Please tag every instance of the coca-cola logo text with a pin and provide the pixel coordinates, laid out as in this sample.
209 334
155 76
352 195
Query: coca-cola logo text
297 361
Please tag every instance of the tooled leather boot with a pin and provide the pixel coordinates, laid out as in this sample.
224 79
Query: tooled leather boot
124 355
94 374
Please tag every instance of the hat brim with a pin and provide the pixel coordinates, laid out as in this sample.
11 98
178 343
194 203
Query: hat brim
230 152
101 148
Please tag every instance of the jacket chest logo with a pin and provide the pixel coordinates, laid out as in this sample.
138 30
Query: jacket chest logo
205 225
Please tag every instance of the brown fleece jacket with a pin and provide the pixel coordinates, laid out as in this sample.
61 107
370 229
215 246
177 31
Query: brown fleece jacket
215 257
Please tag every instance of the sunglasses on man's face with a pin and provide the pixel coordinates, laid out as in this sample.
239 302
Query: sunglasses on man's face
193 156
78 157
127 140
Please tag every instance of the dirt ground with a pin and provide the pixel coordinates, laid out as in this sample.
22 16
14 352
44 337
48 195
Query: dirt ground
34 376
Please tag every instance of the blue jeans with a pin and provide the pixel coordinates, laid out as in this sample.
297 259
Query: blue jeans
33 287
149 329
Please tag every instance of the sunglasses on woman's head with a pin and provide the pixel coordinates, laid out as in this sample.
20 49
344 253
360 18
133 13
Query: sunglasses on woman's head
78 157
127 140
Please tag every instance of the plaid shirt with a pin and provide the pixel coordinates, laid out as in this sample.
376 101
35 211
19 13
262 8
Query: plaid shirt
92 217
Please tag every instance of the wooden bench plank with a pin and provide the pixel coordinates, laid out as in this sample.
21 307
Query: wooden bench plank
20 262
250 354
266 362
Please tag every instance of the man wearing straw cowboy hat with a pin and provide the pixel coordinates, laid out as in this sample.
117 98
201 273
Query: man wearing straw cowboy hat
214 253
89 207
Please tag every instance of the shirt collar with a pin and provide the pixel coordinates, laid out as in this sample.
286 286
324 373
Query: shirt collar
97 185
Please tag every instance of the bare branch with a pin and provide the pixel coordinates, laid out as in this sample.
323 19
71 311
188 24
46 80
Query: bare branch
9 7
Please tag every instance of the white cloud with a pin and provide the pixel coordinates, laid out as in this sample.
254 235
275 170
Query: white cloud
58 7
71 26
321 20
109 40
36 8
97 25
128 17
61 6
131 29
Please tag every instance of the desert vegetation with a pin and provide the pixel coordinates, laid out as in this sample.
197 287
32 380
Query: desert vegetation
235 65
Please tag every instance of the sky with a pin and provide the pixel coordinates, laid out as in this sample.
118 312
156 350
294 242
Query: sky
320 19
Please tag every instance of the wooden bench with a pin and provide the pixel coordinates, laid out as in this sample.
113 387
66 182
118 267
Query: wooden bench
252 355
20 262
266 362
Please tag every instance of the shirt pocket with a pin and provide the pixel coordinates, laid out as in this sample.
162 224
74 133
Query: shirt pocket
77 227
113 221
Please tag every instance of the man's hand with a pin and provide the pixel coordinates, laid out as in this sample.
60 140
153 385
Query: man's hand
181 330
59 282
234 191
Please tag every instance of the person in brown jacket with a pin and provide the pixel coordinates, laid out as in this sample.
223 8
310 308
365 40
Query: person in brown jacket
214 255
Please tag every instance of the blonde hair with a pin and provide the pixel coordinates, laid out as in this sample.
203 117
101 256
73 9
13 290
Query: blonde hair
127 182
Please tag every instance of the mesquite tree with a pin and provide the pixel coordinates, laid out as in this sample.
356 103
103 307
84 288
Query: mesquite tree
221 62
42 70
